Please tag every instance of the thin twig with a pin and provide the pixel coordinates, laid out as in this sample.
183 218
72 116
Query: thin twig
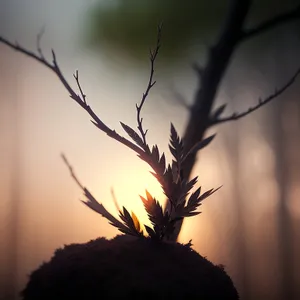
269 24
93 204
153 55
38 42
79 99
18 48
277 93
71 171
83 95
115 199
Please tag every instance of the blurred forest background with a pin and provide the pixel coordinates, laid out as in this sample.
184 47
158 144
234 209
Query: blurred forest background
251 225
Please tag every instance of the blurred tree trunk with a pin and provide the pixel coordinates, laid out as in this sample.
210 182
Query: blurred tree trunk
209 81
123 28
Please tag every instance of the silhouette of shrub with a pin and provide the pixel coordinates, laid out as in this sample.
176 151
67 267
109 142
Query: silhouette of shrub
143 263
128 267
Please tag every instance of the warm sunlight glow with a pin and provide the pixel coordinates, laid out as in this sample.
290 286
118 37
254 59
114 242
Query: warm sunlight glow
128 185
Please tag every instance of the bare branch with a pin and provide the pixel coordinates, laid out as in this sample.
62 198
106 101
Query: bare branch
277 93
38 42
218 112
76 76
17 48
153 55
93 204
80 99
71 171
115 199
219 57
270 24
141 149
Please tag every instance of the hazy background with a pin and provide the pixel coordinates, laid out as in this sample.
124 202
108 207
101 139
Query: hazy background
255 159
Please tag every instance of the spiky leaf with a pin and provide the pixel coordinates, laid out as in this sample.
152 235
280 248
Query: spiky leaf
190 184
185 188
208 193
217 113
136 222
200 145
176 145
175 171
191 214
133 134
93 204
155 153
195 201
129 222
151 232
162 163
153 209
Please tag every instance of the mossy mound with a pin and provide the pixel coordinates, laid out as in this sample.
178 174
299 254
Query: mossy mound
127 267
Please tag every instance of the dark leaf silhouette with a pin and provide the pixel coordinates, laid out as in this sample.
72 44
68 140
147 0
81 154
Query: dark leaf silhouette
199 146
151 232
176 145
170 176
133 134
133 226
155 153
175 171
209 193
217 113
194 202
191 214
93 204
162 163
154 210
175 186
136 223
187 186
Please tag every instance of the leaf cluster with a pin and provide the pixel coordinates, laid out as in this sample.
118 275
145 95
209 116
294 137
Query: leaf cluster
177 189
176 186
170 175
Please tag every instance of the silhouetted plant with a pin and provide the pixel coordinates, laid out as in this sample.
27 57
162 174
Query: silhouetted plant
175 185
54 279
169 176
94 269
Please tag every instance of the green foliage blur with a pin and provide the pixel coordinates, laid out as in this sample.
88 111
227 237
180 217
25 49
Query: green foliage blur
127 28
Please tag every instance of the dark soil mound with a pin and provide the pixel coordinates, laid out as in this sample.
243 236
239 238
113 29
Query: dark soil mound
128 268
